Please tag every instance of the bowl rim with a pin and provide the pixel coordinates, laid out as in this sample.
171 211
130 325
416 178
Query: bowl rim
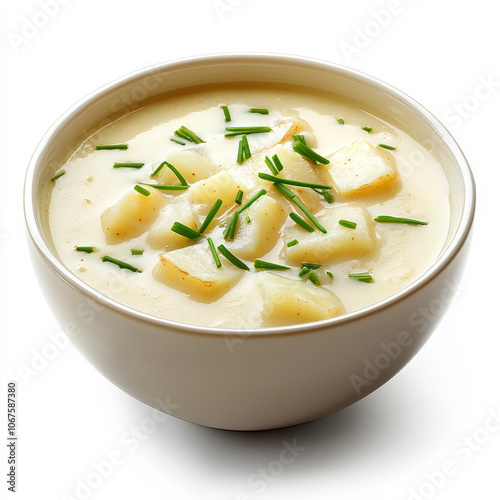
451 250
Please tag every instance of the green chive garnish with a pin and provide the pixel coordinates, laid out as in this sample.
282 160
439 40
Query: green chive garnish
304 271
141 190
239 197
239 156
271 166
247 218
246 147
326 193
233 131
278 163
385 146
178 142
111 146
214 253
292 243
185 231
188 135
158 169
85 249
165 187
400 220
262 264
367 129
314 278
231 227
301 222
330 275
308 153
347 223
128 165
364 277
260 111
232 258
211 214
227 115
121 264
310 265
341 121
60 174
291 182
175 171
135 251
299 138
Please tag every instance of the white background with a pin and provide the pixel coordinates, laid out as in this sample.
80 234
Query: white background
437 414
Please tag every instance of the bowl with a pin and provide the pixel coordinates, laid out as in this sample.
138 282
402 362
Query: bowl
254 379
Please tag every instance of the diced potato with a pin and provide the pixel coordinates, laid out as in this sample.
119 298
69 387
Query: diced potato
161 235
205 193
288 301
298 168
300 126
191 163
339 242
260 235
131 215
361 168
192 270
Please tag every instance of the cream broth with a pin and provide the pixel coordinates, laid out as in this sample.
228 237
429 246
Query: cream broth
90 186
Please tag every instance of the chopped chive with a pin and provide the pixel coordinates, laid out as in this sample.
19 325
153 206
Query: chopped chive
246 147
227 115
128 165
291 182
310 265
284 190
189 135
385 146
400 220
239 197
278 163
165 187
121 264
232 258
271 166
260 111
158 169
255 197
247 218
211 214
60 174
367 129
185 231
178 142
307 152
314 278
239 156
299 138
330 275
141 190
364 277
292 243
214 253
326 193
309 215
231 227
135 251
111 146
234 131
347 223
341 121
301 222
176 173
85 249
262 264
304 271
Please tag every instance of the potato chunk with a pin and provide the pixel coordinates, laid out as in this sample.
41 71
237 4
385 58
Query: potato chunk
131 215
339 241
205 193
192 270
191 163
360 169
288 301
255 238
161 235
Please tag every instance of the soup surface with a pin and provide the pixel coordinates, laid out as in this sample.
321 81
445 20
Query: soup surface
248 207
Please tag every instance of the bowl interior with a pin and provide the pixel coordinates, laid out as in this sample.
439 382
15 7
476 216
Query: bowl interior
129 93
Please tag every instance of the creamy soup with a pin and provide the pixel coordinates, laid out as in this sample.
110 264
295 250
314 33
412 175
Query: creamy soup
248 207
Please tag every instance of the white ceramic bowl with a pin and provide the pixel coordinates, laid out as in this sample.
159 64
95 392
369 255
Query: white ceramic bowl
266 378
